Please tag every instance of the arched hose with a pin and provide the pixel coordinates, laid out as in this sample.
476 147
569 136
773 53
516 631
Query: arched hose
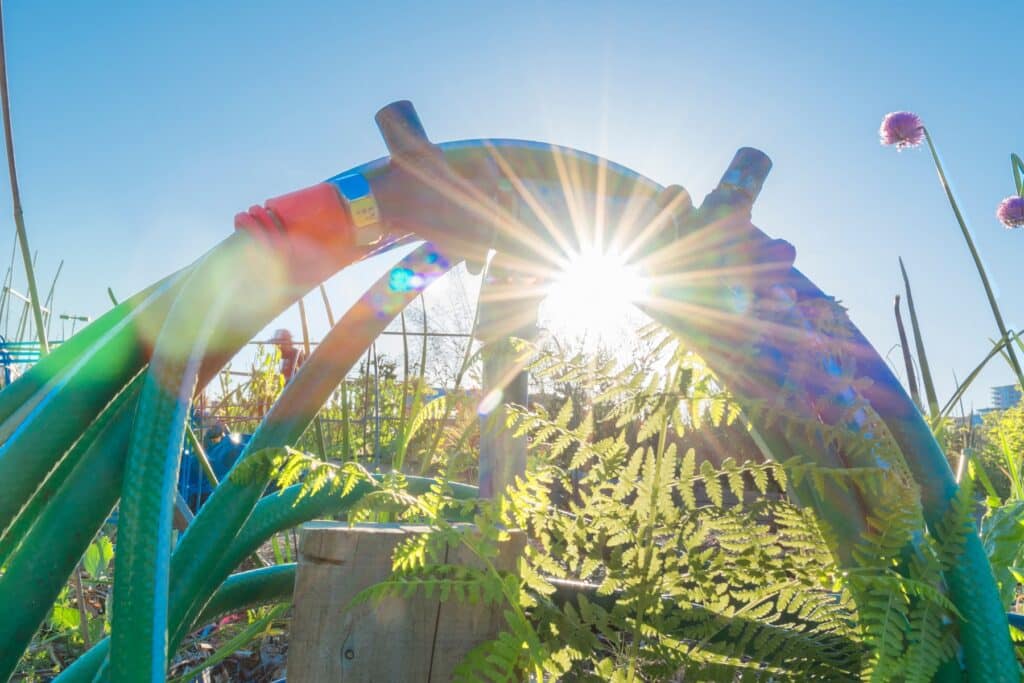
983 631
81 504
144 536
314 231
984 636
231 503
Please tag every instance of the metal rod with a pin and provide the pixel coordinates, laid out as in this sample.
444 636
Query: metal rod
26 299
49 297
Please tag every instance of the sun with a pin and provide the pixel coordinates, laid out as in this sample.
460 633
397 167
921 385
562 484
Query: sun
593 300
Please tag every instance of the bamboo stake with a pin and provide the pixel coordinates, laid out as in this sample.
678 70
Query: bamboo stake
19 219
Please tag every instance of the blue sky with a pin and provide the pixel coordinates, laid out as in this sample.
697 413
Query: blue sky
141 130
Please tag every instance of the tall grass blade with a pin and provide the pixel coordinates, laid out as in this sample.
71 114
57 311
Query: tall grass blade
418 393
404 407
908 362
922 358
962 388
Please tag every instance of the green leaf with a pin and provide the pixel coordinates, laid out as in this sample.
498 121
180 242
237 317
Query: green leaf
98 556
64 618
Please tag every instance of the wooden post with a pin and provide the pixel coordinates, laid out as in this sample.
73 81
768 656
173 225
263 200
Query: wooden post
507 309
412 640
502 454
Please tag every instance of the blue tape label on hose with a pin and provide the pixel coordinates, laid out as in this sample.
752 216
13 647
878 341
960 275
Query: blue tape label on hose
356 190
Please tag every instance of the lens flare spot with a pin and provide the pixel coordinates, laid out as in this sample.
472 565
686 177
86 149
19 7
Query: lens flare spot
595 299
405 280
491 401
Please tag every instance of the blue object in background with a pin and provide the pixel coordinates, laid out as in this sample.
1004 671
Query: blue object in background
222 453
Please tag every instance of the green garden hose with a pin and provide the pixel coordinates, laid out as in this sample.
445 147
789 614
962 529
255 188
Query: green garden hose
22 392
36 573
159 596
241 591
225 512
984 633
246 590
94 470
139 645
70 401
299 239
276 512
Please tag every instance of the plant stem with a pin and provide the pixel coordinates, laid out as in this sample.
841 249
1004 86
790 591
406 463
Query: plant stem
404 413
922 359
1018 166
83 616
907 360
200 455
346 447
646 538
19 218
317 422
977 259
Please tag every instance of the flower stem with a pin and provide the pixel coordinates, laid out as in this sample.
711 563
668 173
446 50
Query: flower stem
1018 166
977 260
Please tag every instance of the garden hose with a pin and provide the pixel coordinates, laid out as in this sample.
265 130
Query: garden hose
68 354
246 590
100 493
276 512
96 439
22 392
451 195
308 235
712 245
94 493
95 481
984 635
138 646
239 592
786 345
36 573
231 503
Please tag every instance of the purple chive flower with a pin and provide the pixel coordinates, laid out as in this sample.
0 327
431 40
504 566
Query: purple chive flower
1011 212
901 128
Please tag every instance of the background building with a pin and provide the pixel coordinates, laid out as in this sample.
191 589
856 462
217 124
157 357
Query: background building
1004 397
